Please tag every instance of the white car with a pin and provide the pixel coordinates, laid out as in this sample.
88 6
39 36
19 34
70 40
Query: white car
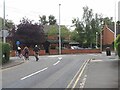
75 47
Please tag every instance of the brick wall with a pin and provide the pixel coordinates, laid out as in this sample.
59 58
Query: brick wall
66 51
108 36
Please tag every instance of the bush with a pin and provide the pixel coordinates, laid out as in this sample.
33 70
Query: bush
0 53
117 44
118 49
53 47
5 52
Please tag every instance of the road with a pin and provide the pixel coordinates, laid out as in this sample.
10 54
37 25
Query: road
57 71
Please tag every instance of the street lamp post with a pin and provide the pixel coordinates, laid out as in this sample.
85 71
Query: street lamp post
115 23
59 32
4 38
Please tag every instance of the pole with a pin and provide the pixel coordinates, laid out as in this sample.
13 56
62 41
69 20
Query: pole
96 39
115 23
59 32
101 41
4 39
115 29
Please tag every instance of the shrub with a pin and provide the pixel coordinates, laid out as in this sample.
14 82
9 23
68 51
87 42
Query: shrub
118 49
52 47
5 52
0 53
117 44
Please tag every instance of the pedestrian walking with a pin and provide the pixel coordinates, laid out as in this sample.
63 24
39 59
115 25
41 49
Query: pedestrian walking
26 53
36 52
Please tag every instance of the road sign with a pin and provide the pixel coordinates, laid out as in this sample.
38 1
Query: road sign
5 33
17 42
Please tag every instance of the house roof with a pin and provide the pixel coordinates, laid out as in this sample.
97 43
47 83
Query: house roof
111 27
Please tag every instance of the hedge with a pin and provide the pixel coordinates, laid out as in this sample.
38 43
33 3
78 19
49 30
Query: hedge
118 49
5 52
0 53
117 44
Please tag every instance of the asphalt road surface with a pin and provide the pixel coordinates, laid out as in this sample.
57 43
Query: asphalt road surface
63 71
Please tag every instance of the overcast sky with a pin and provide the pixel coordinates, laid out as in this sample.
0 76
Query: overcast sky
16 9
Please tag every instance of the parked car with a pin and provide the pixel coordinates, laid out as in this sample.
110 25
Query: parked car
75 47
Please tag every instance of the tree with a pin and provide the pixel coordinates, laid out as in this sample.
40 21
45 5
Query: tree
87 27
43 20
8 24
108 21
54 31
52 20
29 34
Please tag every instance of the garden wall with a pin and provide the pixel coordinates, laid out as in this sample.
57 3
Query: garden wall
66 51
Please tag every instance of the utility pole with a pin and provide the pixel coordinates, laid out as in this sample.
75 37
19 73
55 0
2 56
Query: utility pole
59 32
115 23
3 31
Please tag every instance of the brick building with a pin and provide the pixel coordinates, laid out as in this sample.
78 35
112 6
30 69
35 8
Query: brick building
108 35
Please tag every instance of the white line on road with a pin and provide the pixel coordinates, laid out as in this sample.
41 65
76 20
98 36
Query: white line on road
82 68
56 63
75 75
96 60
33 73
82 84
81 72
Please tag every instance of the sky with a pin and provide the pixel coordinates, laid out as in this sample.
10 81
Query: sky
15 10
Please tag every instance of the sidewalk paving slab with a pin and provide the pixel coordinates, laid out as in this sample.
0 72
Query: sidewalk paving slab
14 61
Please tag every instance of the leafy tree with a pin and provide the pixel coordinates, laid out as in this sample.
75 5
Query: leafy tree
87 27
54 31
8 24
108 21
29 34
43 20
52 20
118 22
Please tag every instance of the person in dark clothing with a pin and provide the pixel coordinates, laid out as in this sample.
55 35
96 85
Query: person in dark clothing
26 53
36 52
46 46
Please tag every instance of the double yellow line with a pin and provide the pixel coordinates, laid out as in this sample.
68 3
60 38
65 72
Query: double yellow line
78 75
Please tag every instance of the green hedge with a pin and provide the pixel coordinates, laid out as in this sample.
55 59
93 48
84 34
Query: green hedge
117 44
0 53
5 54
118 49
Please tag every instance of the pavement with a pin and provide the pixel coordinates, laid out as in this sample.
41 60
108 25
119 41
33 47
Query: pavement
14 61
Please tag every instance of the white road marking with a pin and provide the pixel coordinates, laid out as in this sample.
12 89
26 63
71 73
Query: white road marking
93 54
82 84
60 58
56 63
52 56
85 63
33 73
81 72
96 60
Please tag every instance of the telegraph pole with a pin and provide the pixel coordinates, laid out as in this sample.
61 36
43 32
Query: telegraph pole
4 38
